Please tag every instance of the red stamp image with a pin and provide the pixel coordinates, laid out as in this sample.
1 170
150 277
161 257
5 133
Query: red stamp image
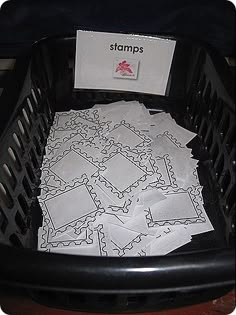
125 69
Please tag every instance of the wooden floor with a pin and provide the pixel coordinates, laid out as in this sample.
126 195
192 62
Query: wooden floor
23 306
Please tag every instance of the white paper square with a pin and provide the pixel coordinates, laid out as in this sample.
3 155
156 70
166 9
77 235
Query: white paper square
70 206
127 135
121 172
176 206
73 165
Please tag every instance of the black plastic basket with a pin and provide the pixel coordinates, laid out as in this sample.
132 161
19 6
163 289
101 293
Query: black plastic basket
199 96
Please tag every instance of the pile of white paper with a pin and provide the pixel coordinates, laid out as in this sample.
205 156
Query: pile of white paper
117 181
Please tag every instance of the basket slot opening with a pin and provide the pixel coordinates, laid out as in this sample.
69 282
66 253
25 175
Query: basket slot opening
40 132
231 139
232 232
218 112
33 159
215 153
15 241
15 159
18 142
190 103
37 146
34 96
27 187
224 128
208 94
26 117
136 300
225 182
48 111
3 221
212 104
39 92
44 124
10 175
198 77
107 299
230 202
203 130
77 299
209 140
30 172
197 122
195 111
20 223
23 204
198 73
202 84
5 196
52 297
220 167
23 130
31 109
170 296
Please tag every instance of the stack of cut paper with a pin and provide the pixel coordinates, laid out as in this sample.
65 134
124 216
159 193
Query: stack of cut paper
117 181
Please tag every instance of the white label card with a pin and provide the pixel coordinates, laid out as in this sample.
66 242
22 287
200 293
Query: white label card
111 61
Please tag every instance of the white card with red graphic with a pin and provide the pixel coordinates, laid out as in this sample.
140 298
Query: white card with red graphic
122 62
